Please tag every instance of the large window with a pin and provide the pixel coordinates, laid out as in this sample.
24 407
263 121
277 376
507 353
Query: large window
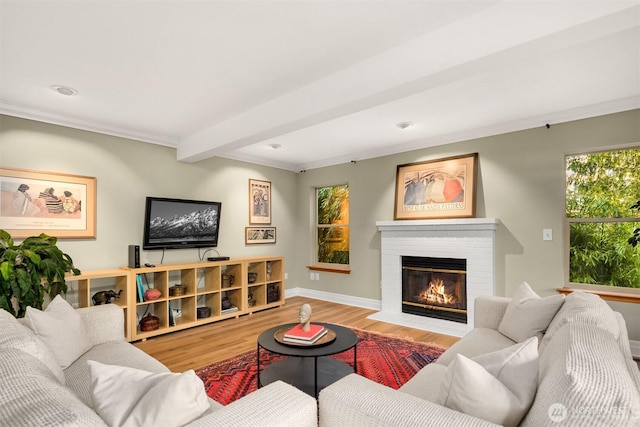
602 195
332 227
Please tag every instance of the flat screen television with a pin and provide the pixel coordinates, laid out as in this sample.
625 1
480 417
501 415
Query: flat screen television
180 224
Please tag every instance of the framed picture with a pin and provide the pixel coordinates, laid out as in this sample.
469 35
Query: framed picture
257 235
259 202
443 188
60 205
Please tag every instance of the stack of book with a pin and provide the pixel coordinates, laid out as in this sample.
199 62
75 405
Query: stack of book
298 336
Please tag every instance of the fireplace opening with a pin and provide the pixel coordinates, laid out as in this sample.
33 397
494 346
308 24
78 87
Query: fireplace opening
435 287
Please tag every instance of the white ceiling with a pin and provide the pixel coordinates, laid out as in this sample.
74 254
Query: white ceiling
326 80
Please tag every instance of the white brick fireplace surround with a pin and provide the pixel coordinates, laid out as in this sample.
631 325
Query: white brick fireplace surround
471 239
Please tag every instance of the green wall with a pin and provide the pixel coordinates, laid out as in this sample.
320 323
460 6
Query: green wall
520 182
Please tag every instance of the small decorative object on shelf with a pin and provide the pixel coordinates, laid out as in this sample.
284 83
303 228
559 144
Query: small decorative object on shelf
104 297
152 294
252 277
226 303
203 312
177 290
273 293
227 280
251 301
149 323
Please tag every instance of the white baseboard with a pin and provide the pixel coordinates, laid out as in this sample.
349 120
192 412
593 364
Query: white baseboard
371 304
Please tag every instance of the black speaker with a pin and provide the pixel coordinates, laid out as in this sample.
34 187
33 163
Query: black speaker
134 256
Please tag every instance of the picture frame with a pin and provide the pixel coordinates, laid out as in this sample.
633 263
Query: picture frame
58 204
259 202
259 235
441 188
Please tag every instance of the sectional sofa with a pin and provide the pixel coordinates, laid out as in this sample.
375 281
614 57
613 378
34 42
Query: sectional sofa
66 367
529 361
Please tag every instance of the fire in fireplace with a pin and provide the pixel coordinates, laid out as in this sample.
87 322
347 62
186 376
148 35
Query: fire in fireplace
435 287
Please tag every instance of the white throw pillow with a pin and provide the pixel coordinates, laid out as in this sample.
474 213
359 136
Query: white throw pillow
62 329
497 387
126 396
528 315
15 335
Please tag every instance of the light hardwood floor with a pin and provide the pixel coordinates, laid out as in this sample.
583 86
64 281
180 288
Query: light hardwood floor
200 346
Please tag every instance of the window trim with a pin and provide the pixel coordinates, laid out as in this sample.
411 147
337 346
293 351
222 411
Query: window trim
321 266
612 293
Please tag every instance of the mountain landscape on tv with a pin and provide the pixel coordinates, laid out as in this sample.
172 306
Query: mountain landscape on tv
198 225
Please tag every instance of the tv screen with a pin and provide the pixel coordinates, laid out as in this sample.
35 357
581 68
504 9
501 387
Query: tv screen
178 223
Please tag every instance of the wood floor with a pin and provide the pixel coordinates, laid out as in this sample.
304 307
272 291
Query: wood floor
200 346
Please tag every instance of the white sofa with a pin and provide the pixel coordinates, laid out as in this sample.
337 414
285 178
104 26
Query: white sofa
36 391
580 374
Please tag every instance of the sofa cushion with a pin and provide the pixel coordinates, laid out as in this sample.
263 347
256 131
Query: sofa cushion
585 380
30 395
425 384
15 335
61 328
476 342
527 314
584 308
497 387
165 399
121 353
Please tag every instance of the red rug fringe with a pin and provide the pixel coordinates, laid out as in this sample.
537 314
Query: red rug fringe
385 359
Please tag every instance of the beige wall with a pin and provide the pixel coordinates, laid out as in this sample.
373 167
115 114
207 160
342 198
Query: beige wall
128 171
520 182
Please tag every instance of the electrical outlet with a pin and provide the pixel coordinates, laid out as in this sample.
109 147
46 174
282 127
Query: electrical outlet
286 276
317 276
312 276
547 234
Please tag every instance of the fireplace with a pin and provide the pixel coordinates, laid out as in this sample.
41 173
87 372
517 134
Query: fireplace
435 287
471 239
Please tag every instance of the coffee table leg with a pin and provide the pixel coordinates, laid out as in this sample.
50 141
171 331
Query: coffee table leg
258 366
315 368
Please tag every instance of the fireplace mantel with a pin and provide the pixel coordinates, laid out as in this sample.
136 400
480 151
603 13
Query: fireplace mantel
469 238
456 225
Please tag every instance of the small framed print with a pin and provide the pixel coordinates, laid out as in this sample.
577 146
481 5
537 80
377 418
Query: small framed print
443 188
259 202
258 235
57 204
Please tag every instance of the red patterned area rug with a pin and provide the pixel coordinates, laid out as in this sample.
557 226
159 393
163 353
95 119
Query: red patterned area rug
382 358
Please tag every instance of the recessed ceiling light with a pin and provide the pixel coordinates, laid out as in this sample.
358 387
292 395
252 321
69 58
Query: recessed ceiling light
404 125
64 90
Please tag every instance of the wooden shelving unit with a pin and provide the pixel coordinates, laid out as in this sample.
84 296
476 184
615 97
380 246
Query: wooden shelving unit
88 283
228 288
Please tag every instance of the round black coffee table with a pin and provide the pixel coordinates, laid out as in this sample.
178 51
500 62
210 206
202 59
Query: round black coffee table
307 367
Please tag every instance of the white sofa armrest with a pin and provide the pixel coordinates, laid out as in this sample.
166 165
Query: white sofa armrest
277 404
489 311
104 323
358 401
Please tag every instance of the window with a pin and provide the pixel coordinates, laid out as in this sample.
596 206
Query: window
332 227
602 195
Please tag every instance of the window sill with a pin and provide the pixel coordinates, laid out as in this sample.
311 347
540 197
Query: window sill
344 270
606 295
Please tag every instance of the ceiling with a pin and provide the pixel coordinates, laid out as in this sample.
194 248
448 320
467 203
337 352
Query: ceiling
304 84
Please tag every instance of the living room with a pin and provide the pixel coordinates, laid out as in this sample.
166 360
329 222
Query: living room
520 182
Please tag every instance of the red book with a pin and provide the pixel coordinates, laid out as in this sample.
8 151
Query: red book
296 332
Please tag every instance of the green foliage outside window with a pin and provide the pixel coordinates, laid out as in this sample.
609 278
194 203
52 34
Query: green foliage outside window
333 225
602 191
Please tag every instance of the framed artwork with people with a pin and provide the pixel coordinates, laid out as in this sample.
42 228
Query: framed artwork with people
442 188
57 204
259 202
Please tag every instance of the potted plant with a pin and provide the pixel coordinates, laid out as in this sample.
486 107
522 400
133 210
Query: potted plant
30 270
